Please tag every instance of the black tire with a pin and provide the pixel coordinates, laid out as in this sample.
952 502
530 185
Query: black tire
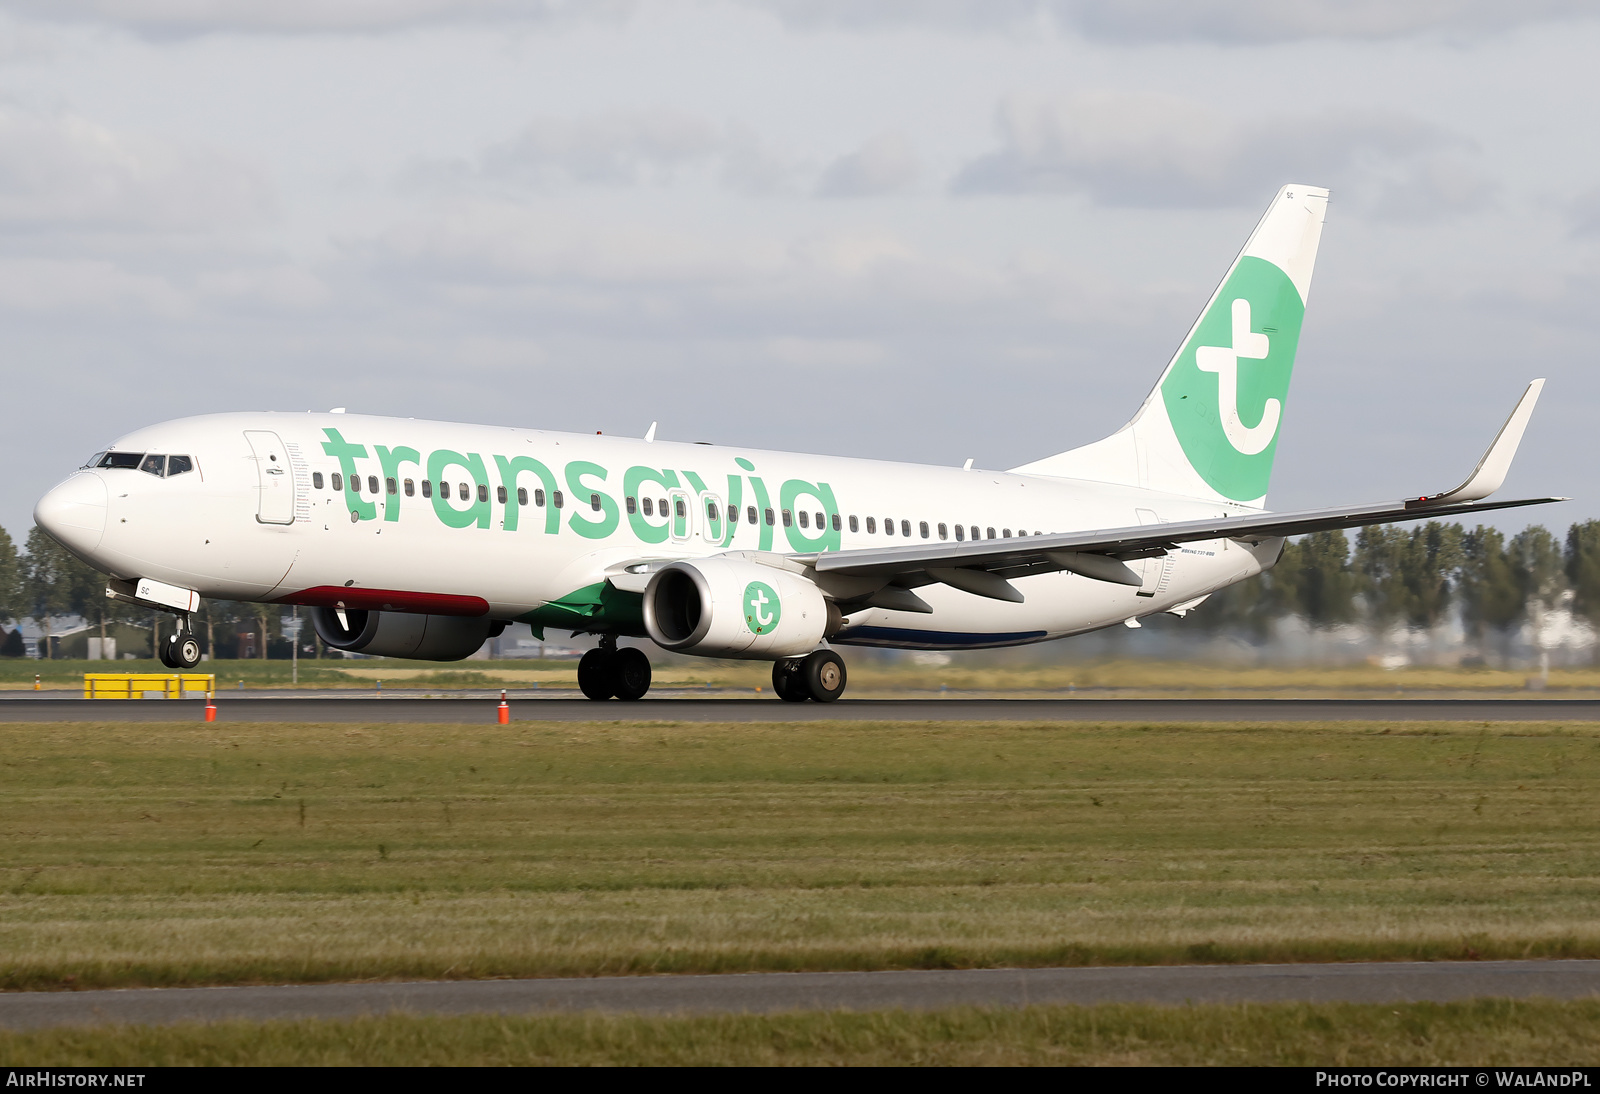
182 651
165 653
824 676
787 682
630 674
594 674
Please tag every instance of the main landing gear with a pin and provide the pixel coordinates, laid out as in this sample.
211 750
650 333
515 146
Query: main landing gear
818 676
608 672
181 650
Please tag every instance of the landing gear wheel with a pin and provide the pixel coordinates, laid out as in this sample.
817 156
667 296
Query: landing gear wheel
594 674
787 681
165 653
823 675
182 651
630 674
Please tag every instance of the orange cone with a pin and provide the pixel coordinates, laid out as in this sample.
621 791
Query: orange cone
211 707
504 713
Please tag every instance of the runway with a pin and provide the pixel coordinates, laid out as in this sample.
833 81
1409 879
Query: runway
765 993
537 706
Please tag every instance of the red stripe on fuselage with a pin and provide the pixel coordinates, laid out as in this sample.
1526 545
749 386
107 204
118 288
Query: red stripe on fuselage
387 600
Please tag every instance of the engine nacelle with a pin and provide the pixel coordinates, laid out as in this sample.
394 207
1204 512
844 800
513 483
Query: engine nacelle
401 634
730 607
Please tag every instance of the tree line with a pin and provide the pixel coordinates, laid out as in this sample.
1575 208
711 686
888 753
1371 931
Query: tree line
47 582
1420 578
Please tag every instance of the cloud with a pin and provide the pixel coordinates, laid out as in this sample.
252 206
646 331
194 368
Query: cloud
64 172
1231 22
189 17
1583 214
620 148
885 164
1156 151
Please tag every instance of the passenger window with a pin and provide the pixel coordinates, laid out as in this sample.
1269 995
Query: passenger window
681 509
944 533
464 492
153 465
788 519
558 499
522 495
427 487
837 524
1005 533
538 497
500 494
649 507
127 460
888 526
855 525
411 488
991 533
483 491
338 481
372 484
872 525
922 527
769 516
975 535
711 512
444 490
391 486
177 465
594 502
959 533
750 514
905 529
805 519
316 480
733 514
821 522
631 505
355 484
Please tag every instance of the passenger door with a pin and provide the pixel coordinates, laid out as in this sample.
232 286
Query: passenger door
274 477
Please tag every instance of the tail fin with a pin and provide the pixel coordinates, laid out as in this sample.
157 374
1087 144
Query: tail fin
1190 435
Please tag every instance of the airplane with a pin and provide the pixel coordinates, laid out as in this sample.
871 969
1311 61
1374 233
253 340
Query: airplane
422 539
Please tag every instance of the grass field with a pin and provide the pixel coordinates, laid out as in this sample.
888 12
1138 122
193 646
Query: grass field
214 853
867 676
1482 1033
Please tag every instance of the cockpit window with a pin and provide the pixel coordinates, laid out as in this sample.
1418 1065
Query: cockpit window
152 463
94 460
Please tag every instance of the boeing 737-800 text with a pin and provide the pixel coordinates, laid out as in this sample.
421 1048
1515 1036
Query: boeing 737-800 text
422 539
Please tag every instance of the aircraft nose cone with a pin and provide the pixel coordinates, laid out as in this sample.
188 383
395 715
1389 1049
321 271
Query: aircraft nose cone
75 512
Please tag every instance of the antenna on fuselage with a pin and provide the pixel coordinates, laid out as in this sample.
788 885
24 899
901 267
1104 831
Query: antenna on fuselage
968 465
650 434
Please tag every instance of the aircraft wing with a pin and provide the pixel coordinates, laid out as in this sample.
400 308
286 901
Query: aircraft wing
982 566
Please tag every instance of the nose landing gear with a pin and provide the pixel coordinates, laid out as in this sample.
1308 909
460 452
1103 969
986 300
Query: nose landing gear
181 651
608 672
819 675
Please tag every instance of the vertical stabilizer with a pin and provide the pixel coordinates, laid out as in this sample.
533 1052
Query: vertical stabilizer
1210 427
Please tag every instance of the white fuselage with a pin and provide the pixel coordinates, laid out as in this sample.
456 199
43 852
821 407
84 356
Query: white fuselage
252 521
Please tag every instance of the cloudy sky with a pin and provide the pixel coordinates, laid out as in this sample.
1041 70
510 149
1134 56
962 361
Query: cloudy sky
888 228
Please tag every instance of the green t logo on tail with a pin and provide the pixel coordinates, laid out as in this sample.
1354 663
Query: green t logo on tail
761 608
1225 393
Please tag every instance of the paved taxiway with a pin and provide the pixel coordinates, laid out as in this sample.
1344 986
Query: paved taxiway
757 993
266 707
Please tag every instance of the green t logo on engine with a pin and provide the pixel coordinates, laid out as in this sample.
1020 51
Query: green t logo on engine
761 608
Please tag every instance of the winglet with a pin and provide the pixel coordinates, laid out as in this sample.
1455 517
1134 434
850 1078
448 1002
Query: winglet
1491 471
